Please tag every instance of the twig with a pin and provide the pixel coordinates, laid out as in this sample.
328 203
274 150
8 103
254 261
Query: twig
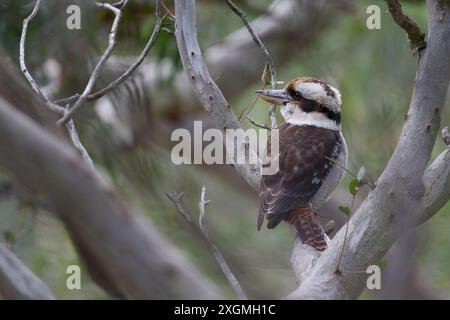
273 72
23 65
364 181
205 88
247 110
171 32
202 230
415 35
111 44
259 125
120 3
338 270
176 200
168 12
124 76
78 145
52 106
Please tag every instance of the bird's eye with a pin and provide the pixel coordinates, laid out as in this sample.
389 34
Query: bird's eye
297 95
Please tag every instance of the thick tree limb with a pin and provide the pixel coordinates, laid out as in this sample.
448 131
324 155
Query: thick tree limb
124 253
437 186
399 192
17 281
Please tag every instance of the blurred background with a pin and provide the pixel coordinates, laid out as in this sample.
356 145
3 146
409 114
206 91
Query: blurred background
127 133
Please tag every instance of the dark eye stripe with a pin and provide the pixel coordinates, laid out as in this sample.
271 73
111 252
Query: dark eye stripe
310 105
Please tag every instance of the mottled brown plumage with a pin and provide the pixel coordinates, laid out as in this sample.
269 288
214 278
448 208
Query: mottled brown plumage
303 167
312 151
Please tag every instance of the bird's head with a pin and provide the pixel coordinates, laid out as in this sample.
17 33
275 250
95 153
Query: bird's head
307 101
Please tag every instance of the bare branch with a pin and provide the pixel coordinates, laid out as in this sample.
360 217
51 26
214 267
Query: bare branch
93 78
285 19
273 73
102 226
17 281
400 189
51 105
125 75
415 36
202 230
78 145
23 65
259 125
168 12
204 86
217 254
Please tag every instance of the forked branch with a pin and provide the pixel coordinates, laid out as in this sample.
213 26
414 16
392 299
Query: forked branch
203 231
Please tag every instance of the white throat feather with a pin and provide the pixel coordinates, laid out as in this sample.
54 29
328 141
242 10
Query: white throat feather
294 115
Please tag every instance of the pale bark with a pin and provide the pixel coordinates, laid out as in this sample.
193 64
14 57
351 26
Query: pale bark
401 193
288 28
125 254
17 282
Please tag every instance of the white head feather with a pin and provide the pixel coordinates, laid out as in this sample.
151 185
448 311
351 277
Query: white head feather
316 90
325 94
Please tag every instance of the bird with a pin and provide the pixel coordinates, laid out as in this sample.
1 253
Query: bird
312 155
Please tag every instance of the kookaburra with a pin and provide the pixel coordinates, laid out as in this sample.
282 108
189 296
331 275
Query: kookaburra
312 153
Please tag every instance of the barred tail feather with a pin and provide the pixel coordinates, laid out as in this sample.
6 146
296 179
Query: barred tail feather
308 228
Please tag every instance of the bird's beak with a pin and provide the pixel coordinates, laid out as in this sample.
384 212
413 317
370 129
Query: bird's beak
274 96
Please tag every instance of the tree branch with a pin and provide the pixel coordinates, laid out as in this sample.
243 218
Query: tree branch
123 252
17 281
202 230
415 36
265 52
437 186
285 20
204 86
93 78
125 75
256 124
51 105
400 190
78 145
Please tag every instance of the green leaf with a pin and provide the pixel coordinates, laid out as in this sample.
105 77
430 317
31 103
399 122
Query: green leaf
353 186
382 264
361 173
345 210
9 237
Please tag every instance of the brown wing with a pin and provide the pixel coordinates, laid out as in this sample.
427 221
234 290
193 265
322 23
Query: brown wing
303 167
